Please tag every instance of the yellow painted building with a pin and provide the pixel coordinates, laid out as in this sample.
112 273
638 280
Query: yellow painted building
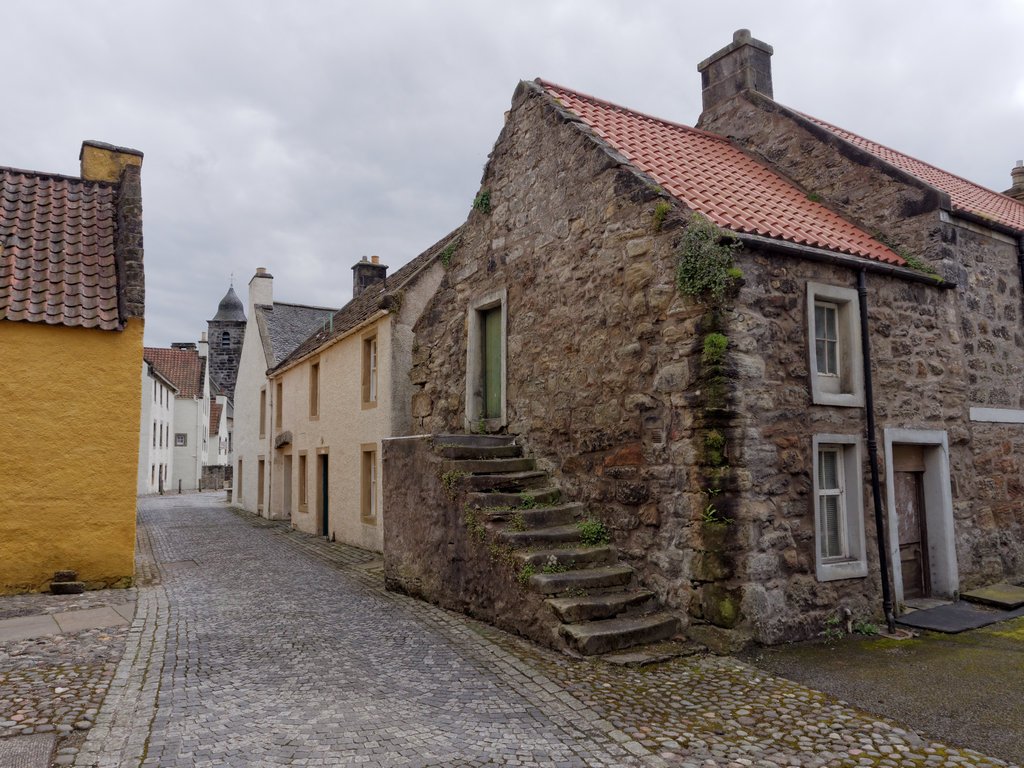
71 325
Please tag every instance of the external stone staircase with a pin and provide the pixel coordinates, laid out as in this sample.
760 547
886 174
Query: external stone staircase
595 601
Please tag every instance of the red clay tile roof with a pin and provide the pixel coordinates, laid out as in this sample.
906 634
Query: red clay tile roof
963 194
57 250
182 367
713 177
215 409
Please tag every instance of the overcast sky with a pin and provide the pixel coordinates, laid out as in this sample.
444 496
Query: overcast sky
300 136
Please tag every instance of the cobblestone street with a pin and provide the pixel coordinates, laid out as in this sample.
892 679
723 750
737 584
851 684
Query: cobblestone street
254 645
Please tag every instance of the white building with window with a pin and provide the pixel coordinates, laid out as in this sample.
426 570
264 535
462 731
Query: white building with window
328 405
156 452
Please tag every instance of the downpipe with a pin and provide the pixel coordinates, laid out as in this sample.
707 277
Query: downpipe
876 487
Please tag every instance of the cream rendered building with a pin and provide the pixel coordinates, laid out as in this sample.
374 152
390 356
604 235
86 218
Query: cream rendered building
156 435
337 395
273 329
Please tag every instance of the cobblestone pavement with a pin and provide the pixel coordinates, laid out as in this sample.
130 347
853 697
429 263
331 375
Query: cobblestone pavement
261 646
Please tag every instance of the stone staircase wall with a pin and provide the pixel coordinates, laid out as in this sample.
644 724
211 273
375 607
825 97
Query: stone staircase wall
472 525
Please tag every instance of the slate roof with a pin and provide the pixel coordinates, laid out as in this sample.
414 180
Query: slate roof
710 175
57 238
182 367
230 308
284 326
368 303
963 194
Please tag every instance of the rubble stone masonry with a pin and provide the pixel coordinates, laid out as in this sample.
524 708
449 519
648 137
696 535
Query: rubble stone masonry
607 388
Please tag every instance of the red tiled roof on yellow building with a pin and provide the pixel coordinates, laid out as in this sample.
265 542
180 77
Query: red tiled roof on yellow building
182 367
57 250
711 176
963 194
71 248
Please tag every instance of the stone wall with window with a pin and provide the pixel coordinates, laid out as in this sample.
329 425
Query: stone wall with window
603 384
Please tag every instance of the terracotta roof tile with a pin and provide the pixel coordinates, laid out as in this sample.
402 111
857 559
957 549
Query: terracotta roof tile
713 177
963 194
182 367
57 250
215 409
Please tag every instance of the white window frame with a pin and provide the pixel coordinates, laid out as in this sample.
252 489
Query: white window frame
847 387
853 563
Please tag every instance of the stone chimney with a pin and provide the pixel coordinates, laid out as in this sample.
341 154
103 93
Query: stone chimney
365 273
105 162
183 345
1017 176
261 289
743 64
204 345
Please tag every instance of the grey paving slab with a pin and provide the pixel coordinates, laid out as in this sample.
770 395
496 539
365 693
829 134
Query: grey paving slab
25 627
91 618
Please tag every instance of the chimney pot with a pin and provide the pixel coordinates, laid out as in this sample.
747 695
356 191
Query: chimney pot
365 273
375 259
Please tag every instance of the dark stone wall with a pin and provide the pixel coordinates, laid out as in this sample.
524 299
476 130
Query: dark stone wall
224 360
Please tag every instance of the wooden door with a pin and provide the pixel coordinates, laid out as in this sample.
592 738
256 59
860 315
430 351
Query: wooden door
492 363
324 485
911 520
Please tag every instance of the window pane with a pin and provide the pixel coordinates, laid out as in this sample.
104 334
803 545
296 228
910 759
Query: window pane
831 544
828 470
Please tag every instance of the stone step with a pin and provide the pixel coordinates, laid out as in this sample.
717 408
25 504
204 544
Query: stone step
490 466
548 538
507 482
591 638
587 579
479 452
539 517
475 441
605 606
572 557
67 587
535 496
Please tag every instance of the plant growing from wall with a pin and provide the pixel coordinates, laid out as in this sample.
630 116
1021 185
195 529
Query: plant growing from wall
593 533
448 253
450 482
704 262
482 202
661 210
526 574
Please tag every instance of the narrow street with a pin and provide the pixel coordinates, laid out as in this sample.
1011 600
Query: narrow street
254 645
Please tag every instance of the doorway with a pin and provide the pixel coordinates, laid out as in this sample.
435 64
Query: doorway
486 353
323 474
920 515
911 520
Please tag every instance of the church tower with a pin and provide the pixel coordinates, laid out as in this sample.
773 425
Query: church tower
225 334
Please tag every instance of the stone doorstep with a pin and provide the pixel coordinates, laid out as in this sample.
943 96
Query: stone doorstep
606 606
490 466
1001 595
459 452
32 751
586 578
596 637
480 500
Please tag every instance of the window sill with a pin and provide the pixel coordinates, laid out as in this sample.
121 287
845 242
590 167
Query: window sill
846 569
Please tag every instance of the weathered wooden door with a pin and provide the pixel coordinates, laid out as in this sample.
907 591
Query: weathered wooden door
911 521
492 363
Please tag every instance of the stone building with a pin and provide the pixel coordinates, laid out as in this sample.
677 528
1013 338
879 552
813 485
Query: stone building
72 296
226 332
720 421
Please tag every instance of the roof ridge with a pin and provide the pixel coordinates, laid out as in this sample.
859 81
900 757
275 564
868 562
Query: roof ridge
548 85
55 176
834 127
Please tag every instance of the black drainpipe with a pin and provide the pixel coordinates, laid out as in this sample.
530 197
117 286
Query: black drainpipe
876 488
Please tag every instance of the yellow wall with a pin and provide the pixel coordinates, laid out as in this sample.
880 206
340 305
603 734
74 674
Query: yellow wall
69 444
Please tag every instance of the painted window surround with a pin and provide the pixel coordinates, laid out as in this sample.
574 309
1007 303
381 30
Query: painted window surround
851 378
855 566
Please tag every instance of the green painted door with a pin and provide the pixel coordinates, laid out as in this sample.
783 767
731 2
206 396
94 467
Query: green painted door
492 363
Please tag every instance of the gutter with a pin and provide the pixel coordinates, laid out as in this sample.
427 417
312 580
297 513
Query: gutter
857 263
